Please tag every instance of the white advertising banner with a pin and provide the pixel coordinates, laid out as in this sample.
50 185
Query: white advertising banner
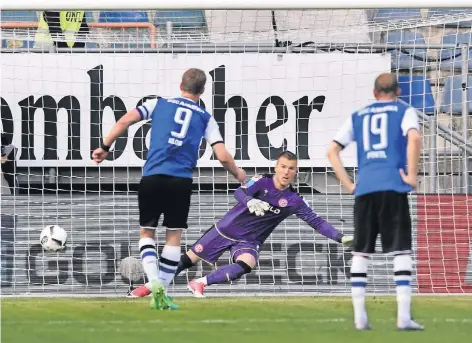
56 108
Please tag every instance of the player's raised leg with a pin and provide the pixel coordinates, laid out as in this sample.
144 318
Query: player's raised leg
245 261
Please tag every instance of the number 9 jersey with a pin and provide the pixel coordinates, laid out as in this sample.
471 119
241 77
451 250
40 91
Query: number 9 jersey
177 128
380 131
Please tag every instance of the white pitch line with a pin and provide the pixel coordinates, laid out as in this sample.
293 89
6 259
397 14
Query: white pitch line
228 321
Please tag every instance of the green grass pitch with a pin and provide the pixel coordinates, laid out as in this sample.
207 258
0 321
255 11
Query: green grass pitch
227 320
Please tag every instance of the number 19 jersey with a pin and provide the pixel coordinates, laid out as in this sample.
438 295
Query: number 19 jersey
380 131
177 128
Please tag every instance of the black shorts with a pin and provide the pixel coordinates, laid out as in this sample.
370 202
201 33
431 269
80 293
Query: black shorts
386 213
168 195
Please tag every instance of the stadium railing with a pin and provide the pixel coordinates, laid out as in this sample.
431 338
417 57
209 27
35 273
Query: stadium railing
152 30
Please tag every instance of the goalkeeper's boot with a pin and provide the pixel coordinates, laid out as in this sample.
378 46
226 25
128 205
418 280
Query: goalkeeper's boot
158 300
139 292
197 288
410 326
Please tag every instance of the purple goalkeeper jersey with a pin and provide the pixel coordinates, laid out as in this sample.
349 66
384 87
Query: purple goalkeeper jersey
239 224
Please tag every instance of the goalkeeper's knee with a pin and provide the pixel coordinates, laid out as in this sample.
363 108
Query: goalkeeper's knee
246 269
184 263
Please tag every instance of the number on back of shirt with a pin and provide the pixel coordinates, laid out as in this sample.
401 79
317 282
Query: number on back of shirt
182 117
374 128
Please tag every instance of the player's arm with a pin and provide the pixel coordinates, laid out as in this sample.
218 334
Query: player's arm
133 116
213 137
341 140
306 214
411 129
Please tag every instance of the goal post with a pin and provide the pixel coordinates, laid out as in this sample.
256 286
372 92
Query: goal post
279 76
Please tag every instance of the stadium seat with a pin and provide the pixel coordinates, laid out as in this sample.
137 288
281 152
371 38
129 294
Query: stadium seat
18 16
17 44
439 12
89 17
181 19
123 17
389 14
406 58
416 90
452 98
452 58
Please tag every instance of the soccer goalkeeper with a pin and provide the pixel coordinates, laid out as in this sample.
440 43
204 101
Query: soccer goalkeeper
263 203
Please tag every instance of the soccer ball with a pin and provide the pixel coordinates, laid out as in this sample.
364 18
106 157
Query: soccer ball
53 238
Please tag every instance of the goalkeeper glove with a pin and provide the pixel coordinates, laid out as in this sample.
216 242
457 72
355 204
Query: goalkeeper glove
347 241
258 207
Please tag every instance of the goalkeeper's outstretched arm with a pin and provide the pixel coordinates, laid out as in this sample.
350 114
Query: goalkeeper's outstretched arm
306 214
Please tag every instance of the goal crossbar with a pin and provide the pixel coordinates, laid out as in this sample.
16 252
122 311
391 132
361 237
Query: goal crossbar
222 5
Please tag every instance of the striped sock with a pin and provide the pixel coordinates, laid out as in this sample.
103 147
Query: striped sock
358 283
148 252
402 265
168 263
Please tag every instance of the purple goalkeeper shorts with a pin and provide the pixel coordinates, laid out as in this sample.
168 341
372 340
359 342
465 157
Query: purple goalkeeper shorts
212 245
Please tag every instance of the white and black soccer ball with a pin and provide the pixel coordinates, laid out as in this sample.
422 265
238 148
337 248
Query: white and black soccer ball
53 238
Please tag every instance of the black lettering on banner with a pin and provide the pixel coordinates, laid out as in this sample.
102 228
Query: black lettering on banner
97 105
269 271
203 144
220 107
80 272
139 139
7 121
303 112
338 263
271 264
262 130
292 257
98 102
60 266
50 108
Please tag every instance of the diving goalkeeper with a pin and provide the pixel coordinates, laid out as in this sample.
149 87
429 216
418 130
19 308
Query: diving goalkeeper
263 203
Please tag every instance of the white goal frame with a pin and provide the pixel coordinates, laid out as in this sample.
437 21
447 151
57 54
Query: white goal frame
431 124
225 5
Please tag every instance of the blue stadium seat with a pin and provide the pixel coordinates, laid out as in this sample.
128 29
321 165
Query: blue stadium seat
417 92
436 12
89 17
181 19
18 16
123 17
452 99
389 14
402 60
452 58
15 44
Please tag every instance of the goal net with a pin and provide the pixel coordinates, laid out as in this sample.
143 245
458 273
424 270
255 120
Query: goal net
282 79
